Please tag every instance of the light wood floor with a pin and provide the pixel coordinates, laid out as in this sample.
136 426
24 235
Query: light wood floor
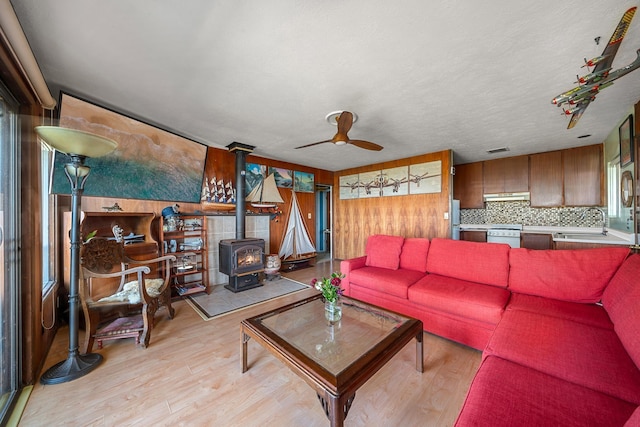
190 375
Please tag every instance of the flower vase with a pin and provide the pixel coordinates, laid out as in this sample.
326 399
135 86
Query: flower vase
333 310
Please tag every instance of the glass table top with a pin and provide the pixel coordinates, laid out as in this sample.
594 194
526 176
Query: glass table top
333 346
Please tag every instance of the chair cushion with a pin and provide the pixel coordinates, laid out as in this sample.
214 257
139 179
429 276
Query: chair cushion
568 275
384 251
414 254
486 263
131 294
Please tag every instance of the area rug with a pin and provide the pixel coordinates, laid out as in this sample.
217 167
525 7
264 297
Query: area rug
222 301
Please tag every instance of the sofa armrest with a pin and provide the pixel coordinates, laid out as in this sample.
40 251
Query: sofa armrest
348 265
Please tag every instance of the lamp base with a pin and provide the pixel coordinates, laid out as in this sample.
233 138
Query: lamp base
75 366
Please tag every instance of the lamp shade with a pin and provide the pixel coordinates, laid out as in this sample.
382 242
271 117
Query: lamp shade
78 142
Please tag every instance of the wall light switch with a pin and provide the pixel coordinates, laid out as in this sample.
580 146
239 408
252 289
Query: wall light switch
309 215
446 215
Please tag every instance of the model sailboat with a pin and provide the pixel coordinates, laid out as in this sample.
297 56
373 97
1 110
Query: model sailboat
217 196
265 195
296 244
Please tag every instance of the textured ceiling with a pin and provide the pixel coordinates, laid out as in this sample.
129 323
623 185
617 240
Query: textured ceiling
422 76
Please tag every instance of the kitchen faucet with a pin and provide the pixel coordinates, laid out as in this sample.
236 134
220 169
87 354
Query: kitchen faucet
604 217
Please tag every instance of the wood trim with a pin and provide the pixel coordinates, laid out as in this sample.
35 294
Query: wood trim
33 335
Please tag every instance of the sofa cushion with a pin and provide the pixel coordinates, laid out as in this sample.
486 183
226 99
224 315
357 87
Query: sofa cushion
414 254
621 299
393 282
585 355
634 420
384 251
504 393
460 297
589 314
568 275
486 263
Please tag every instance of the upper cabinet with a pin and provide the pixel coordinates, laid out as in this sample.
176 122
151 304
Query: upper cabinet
467 185
572 177
508 175
545 179
583 176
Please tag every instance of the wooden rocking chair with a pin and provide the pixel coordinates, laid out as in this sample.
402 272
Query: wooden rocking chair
141 287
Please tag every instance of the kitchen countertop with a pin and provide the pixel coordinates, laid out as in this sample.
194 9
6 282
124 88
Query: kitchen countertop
614 237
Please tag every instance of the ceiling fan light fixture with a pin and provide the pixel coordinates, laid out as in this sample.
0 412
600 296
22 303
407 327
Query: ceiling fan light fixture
332 118
340 142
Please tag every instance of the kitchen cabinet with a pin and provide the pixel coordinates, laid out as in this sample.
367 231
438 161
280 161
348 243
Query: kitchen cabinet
536 241
507 175
473 235
185 236
583 176
467 185
546 179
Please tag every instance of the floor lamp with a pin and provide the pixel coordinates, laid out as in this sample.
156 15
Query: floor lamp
78 145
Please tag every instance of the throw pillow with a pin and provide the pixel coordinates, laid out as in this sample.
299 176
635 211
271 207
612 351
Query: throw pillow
384 251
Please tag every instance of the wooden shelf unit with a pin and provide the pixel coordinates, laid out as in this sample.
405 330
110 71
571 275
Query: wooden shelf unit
138 223
188 242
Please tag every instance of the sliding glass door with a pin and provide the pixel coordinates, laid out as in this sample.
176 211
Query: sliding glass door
9 256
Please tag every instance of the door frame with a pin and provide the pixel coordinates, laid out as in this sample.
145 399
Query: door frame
321 215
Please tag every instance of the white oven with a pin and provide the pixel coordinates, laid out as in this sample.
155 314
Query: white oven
505 233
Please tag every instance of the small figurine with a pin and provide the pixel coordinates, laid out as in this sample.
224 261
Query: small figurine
170 211
115 208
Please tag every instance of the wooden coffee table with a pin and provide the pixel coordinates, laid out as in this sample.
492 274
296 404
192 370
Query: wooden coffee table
334 359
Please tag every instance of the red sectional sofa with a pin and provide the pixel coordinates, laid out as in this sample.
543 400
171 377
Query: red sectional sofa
559 330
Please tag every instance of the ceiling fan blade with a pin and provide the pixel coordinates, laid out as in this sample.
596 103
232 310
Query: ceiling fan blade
315 143
365 144
344 122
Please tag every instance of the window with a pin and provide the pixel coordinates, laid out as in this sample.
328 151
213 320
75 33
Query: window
48 221
613 172
9 259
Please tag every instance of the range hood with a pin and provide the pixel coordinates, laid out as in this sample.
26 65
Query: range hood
507 197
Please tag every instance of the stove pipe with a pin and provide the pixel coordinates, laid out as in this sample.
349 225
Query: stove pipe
241 151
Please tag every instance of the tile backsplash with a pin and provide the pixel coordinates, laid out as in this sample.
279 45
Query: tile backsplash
522 213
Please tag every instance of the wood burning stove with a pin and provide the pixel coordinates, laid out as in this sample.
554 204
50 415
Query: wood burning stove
243 261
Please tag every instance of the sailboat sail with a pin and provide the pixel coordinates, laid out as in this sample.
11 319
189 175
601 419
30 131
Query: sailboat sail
265 194
296 241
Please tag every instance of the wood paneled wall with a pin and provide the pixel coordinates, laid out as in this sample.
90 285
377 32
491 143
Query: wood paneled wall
221 164
420 215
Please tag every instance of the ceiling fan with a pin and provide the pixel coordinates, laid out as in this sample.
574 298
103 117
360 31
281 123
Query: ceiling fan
345 119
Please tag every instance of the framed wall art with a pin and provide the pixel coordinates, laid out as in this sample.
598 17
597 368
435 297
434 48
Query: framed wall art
303 182
283 177
395 181
254 174
626 141
349 186
149 164
425 178
370 184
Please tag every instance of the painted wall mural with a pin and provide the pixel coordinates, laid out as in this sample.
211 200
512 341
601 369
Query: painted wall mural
149 163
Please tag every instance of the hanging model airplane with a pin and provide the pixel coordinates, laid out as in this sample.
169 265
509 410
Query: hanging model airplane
601 77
